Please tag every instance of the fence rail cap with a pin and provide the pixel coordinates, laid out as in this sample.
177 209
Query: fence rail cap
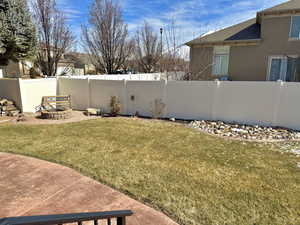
63 218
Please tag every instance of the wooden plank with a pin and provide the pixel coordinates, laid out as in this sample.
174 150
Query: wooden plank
56 101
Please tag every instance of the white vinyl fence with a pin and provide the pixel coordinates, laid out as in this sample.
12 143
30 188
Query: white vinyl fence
263 103
32 92
142 76
10 89
27 94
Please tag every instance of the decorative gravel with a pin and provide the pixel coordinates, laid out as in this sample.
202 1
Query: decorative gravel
246 132
295 152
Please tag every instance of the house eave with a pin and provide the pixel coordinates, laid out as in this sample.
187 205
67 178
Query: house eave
277 13
229 42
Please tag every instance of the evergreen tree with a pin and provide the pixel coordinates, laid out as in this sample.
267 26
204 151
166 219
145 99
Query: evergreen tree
17 32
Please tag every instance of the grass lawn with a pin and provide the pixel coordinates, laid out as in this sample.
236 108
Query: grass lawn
193 177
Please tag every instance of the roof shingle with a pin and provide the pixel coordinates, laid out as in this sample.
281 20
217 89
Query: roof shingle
243 31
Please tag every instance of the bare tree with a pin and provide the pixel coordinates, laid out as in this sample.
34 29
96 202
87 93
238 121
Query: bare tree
106 38
202 69
54 36
174 61
147 49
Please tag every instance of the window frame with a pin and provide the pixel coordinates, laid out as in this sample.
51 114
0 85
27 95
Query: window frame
215 53
291 27
282 57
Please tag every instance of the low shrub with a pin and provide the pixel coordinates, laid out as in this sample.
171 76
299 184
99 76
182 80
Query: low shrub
33 73
115 106
91 72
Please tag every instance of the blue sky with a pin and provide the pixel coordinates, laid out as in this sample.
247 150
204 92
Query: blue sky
193 17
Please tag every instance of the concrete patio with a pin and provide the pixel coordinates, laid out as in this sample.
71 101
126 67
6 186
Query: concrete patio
34 187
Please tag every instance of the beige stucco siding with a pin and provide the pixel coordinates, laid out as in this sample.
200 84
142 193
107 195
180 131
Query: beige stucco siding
201 61
247 63
275 34
250 63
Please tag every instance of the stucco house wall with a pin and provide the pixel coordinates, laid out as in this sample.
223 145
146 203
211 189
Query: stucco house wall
254 45
201 61
250 63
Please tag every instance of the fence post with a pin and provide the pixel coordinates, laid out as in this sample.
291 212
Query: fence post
165 98
125 106
214 99
278 90
21 95
57 85
89 92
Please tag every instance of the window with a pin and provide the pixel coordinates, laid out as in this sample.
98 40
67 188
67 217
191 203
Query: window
221 60
277 68
295 27
284 68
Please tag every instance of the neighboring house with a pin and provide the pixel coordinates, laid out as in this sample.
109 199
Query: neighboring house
66 67
82 63
260 49
71 63
17 69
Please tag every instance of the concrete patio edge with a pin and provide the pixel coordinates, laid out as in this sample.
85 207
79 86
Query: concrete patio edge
31 186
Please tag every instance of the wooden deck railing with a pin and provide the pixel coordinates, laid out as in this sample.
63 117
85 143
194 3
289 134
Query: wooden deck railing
79 218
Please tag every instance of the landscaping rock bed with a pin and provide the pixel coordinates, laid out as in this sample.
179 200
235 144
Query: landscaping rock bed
295 152
246 132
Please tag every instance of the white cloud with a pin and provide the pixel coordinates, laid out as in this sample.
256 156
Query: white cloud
195 17
69 11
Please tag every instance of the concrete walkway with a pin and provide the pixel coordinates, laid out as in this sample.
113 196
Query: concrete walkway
30 186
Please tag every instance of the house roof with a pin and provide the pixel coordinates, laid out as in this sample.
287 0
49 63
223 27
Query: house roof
289 5
248 31
245 31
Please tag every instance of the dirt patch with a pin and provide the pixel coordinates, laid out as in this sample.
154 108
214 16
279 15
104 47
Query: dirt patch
35 118
4 119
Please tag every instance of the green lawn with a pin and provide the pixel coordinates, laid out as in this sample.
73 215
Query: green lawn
193 177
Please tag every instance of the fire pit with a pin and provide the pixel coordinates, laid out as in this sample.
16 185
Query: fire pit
57 115
56 107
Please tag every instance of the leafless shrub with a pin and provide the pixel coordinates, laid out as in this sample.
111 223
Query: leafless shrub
157 108
174 61
115 106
